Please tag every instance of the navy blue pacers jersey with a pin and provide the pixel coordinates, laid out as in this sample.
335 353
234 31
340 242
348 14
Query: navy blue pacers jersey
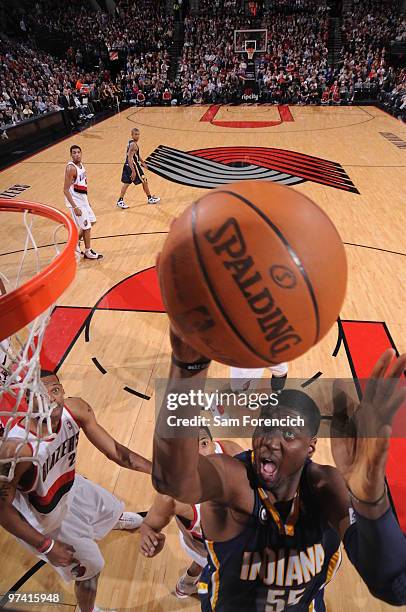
139 172
282 560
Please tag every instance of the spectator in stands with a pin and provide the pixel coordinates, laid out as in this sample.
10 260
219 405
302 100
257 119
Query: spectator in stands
166 97
140 98
71 114
41 105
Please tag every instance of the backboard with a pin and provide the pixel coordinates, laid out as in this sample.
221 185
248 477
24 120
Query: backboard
250 39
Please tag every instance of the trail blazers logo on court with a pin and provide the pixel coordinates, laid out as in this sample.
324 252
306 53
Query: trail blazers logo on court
210 168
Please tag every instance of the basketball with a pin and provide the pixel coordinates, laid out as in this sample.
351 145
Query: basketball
253 274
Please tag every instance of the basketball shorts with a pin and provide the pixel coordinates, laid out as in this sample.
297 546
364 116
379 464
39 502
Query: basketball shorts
92 513
140 176
85 220
193 554
243 378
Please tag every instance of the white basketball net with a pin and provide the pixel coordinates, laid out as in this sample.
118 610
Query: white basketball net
22 395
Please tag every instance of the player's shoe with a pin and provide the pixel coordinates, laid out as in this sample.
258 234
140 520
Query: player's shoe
153 200
78 252
186 586
122 204
129 521
90 254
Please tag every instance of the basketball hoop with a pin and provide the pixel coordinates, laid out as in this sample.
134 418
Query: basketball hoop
250 52
32 288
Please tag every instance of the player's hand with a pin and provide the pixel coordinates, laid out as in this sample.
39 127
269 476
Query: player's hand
77 211
132 175
62 554
360 436
151 542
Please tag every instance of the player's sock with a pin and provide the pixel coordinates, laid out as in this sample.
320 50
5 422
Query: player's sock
189 578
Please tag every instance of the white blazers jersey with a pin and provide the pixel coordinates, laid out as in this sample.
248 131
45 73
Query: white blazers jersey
43 494
78 189
191 531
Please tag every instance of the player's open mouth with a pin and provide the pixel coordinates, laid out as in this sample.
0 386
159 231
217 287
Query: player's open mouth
269 469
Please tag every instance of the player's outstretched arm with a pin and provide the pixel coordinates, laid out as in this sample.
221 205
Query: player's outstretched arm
159 516
10 519
178 468
374 542
103 441
161 512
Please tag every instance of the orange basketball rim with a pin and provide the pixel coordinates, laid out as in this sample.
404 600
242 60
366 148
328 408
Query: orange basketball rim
27 302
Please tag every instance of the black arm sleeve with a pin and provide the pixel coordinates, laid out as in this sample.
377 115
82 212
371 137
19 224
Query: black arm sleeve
377 549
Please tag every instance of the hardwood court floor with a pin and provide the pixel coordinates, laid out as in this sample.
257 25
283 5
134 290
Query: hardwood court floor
132 344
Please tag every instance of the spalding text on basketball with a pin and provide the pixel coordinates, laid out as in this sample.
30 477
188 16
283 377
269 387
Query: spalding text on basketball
229 244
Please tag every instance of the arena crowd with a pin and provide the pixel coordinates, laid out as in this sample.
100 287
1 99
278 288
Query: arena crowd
33 82
294 68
